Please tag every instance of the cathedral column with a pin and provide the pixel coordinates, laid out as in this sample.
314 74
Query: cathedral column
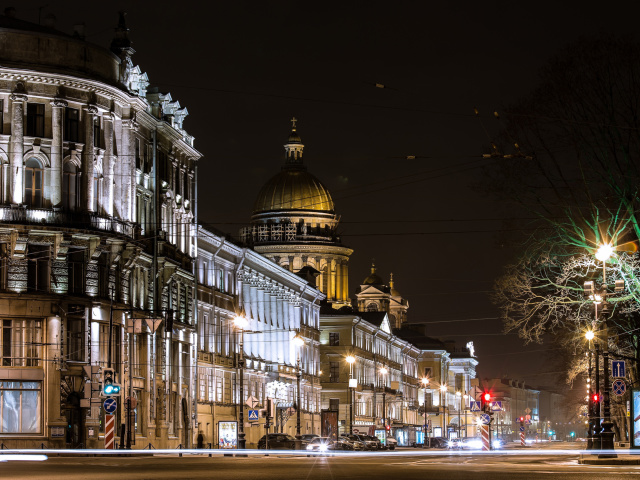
55 182
345 281
17 147
331 294
338 281
86 191
108 164
291 263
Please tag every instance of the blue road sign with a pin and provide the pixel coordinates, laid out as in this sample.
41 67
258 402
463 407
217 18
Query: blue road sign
485 418
496 406
619 387
253 415
618 369
110 405
522 429
475 406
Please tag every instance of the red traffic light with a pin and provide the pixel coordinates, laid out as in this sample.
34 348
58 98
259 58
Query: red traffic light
596 398
521 419
487 397
388 427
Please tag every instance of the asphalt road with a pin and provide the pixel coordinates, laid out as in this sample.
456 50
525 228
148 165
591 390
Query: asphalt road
402 466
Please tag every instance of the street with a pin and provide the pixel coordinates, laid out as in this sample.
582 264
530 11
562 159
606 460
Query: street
408 464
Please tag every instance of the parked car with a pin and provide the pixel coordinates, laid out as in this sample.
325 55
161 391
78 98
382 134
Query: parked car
308 437
370 443
437 442
355 441
277 441
392 443
378 445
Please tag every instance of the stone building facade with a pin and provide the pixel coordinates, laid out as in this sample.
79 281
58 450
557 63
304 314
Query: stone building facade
278 305
96 203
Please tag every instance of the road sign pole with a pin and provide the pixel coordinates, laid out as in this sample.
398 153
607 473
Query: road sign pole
522 442
486 437
109 431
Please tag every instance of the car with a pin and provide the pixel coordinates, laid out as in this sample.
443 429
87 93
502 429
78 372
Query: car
392 443
472 443
321 444
437 442
369 442
455 444
377 442
355 441
308 437
277 441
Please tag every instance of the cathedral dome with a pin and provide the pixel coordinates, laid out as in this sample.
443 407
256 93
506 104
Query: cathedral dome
294 189
373 279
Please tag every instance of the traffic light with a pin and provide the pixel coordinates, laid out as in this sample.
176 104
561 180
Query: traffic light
486 400
595 397
109 386
388 427
521 419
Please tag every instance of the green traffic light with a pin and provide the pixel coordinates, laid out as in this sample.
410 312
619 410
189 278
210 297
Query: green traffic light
111 389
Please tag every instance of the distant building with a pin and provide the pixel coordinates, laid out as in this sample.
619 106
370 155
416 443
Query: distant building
294 223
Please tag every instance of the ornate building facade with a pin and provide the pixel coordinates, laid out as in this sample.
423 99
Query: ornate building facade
294 224
278 306
96 203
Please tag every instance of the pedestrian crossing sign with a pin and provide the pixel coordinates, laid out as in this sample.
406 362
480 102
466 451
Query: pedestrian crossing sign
253 415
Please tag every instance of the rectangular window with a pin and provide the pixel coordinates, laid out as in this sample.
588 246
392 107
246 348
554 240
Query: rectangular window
21 407
35 119
38 268
428 372
20 343
334 372
334 339
76 271
334 404
71 124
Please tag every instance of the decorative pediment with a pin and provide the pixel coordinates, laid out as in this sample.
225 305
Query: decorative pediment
384 326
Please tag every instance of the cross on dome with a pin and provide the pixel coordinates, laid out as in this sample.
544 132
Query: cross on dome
293 123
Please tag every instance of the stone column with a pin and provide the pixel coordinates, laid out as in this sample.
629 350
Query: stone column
331 283
127 170
55 179
86 182
17 147
338 281
345 281
108 164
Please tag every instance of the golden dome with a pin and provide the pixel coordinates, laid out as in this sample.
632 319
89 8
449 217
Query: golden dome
293 189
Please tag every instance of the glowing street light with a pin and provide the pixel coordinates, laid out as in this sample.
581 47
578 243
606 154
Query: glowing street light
241 323
589 335
350 389
604 252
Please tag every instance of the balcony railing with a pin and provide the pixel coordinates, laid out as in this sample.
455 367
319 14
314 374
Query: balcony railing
80 220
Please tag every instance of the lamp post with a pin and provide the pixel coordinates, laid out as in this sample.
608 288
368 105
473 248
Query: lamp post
241 323
443 390
425 383
383 372
590 405
459 395
606 435
466 403
350 360
298 341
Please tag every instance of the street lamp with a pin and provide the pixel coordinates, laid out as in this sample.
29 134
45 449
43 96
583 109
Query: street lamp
383 372
443 390
466 403
241 323
589 335
425 383
298 341
459 395
603 253
350 360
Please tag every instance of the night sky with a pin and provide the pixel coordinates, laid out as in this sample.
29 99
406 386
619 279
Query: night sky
243 69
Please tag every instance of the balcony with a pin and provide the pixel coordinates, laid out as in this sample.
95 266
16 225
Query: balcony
55 217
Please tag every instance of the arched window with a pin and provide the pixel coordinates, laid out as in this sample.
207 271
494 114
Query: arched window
33 183
372 307
70 190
